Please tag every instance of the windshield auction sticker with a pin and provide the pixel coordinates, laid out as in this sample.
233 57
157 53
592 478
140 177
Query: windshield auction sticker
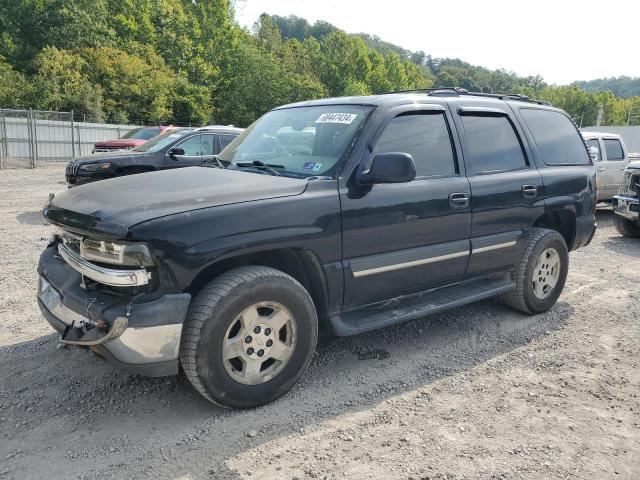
345 118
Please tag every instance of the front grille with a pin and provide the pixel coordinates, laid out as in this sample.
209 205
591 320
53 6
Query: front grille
72 169
629 184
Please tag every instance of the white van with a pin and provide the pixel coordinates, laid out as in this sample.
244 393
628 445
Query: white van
610 157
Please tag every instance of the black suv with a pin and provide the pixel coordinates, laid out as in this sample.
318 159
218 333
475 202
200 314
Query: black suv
339 215
175 148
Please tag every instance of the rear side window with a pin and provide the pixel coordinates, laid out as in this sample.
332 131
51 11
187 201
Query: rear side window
493 144
424 136
558 140
613 149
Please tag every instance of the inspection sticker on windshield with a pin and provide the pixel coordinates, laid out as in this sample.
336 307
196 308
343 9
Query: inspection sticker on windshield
312 166
345 118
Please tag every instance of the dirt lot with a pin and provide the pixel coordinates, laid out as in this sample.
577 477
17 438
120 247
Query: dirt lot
478 392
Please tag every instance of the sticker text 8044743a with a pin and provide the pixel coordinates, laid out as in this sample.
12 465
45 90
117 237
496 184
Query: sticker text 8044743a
346 118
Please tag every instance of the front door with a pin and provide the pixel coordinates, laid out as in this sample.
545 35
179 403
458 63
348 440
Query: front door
506 187
595 150
192 147
408 237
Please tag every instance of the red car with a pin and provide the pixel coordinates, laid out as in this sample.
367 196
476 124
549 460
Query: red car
131 139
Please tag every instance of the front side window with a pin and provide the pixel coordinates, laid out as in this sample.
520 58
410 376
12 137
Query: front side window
594 149
300 141
192 146
424 136
558 140
613 148
161 141
493 144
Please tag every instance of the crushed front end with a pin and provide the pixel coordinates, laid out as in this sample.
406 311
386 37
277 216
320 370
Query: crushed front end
103 294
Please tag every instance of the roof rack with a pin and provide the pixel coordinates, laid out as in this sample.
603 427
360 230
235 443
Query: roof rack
444 91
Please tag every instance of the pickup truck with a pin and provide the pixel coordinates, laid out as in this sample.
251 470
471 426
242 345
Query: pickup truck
611 158
626 205
337 216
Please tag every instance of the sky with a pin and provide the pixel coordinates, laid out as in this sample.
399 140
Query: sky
561 40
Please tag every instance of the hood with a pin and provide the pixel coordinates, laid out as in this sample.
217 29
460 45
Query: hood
634 164
113 206
106 156
120 143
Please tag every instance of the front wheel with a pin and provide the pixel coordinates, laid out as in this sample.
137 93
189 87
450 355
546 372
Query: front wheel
249 336
541 272
626 227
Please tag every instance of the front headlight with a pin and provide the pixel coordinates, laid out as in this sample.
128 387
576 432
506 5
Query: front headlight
116 253
95 167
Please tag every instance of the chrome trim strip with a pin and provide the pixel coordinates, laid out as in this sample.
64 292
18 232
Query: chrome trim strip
493 247
108 276
414 263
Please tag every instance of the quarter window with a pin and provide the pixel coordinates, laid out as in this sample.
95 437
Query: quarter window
424 136
557 138
594 149
613 149
493 144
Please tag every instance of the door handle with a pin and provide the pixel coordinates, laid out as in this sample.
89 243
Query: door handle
459 200
601 169
529 190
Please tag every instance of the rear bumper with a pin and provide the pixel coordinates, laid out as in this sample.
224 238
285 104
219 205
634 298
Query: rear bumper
139 333
627 207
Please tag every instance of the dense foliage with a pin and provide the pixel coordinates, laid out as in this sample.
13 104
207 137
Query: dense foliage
187 62
623 87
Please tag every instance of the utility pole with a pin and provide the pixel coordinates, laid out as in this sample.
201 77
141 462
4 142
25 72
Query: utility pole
600 114
629 116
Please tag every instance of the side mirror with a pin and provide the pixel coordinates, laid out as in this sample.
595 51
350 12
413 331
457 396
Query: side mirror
174 152
388 168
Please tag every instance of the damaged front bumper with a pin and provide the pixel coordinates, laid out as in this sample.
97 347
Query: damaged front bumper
627 207
140 333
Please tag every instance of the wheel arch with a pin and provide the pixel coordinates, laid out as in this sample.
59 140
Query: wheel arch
302 264
562 221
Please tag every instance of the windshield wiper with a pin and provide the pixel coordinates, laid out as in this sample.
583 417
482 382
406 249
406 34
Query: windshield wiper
267 167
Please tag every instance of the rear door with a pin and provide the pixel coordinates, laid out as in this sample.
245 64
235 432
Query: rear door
616 161
408 237
506 188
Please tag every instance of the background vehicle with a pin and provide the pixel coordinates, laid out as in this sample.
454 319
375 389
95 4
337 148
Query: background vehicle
133 138
175 148
610 157
626 205
348 214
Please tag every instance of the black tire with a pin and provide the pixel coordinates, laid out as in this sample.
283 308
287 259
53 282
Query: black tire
626 227
212 312
536 241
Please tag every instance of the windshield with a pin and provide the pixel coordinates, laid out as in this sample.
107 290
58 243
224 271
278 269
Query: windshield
305 141
161 141
142 133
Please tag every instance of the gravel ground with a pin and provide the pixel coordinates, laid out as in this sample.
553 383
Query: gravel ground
477 392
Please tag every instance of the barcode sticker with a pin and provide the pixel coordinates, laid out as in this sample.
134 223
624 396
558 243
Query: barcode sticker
345 118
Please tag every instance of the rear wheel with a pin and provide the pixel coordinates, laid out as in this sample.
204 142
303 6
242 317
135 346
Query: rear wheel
626 227
249 336
541 272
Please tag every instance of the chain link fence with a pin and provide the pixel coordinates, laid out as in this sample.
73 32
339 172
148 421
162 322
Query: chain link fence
32 137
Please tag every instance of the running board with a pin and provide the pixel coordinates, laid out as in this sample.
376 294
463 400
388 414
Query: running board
410 307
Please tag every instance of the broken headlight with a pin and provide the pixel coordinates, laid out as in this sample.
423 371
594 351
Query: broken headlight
116 253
